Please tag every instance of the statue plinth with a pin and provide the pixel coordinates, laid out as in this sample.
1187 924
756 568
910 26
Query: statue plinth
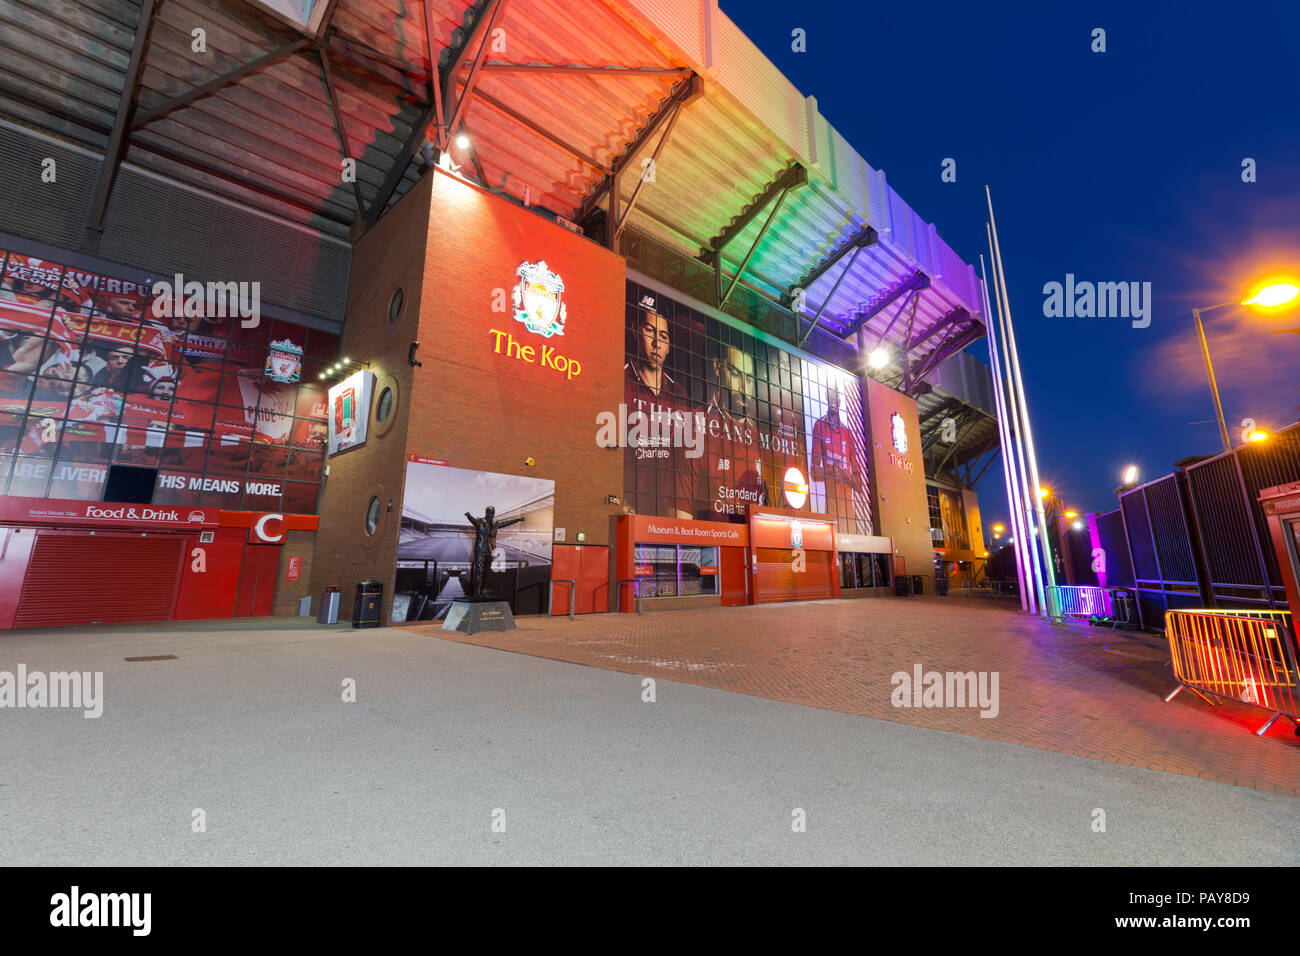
483 613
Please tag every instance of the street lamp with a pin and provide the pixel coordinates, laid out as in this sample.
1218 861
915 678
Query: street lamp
1269 296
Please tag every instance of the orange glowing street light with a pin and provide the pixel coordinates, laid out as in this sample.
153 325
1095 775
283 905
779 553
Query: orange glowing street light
1272 294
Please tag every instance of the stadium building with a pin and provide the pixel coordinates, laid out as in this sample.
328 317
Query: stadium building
289 288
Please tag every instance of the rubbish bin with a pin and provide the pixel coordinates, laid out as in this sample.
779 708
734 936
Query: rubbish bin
918 584
329 607
1124 602
902 585
365 609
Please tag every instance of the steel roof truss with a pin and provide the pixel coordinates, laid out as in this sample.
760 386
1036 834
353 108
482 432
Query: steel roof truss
682 93
793 175
117 140
864 237
913 283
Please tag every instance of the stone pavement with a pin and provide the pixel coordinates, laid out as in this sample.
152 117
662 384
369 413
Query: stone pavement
1078 690
246 722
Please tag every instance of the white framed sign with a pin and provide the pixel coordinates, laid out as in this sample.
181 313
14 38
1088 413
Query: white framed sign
350 411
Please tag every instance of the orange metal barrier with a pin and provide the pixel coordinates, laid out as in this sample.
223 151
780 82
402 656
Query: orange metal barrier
1248 656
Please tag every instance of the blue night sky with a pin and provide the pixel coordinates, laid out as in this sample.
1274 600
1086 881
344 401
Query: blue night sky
1119 166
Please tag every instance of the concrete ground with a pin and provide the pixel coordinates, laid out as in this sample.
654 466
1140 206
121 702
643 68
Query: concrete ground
248 724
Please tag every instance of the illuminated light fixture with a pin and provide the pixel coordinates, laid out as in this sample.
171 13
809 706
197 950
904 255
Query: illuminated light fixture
999 528
347 361
1258 435
1131 475
1044 492
796 488
462 141
1274 294
879 357
1072 514
1077 526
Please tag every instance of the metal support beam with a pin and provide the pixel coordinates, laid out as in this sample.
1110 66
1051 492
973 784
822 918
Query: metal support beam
373 62
744 264
864 237
950 346
117 139
993 456
528 124
340 131
228 78
812 324
682 93
907 345
575 69
793 175
435 83
913 283
482 29
611 215
483 18
644 177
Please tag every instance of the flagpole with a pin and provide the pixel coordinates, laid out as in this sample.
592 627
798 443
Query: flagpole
1008 453
1031 455
1037 602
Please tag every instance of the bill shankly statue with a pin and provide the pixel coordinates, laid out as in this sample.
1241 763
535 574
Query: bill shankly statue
485 542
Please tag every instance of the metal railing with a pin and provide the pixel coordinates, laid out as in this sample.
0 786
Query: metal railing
1082 602
550 596
1248 656
618 592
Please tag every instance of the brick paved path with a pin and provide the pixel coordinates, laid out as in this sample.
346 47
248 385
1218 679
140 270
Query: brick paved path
1085 691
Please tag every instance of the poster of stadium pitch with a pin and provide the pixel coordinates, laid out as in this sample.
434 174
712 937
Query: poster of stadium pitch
436 541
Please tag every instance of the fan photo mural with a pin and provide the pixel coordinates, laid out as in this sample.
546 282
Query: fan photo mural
91 376
436 544
730 422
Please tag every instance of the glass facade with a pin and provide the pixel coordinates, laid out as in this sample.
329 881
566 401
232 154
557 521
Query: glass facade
92 375
669 570
728 421
864 570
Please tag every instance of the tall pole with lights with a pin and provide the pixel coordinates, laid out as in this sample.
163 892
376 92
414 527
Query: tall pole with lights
1031 457
1009 456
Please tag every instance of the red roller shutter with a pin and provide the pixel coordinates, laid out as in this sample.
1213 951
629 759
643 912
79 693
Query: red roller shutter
777 580
102 578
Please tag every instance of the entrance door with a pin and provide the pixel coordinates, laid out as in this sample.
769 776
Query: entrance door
733 573
257 581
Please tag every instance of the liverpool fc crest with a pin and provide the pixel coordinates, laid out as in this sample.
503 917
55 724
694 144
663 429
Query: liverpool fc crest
538 299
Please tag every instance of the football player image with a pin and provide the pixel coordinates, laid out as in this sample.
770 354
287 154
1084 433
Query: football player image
834 457
731 441
660 460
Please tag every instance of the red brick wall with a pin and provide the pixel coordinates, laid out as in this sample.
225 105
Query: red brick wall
454 250
898 498
389 256
483 409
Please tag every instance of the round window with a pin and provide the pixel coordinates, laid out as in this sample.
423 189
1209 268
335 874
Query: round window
395 306
384 407
372 516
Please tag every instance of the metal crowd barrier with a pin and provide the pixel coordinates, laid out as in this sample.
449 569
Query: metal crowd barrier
573 588
1248 656
1083 601
618 592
